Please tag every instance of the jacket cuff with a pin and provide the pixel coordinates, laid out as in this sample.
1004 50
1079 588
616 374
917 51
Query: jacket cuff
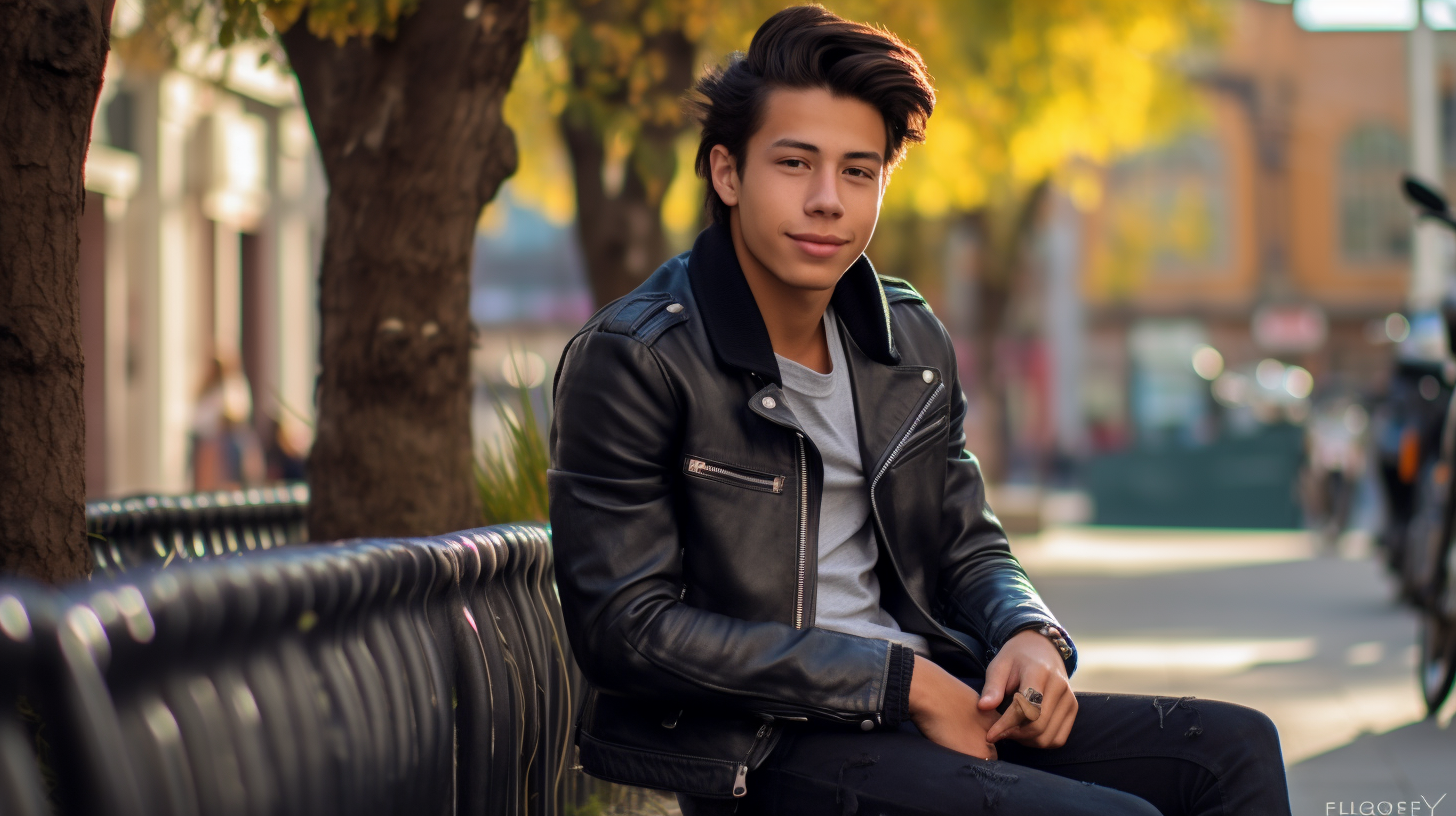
897 686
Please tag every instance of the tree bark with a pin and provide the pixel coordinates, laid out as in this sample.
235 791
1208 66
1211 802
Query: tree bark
414 146
52 55
621 232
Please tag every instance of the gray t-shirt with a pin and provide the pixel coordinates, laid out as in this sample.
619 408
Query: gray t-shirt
848 598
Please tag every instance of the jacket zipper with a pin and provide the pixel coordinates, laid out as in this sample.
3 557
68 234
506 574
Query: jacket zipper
901 444
927 432
740 777
803 575
875 506
803 533
702 467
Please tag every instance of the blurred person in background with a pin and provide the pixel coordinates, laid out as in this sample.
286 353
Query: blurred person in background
1334 438
286 449
226 451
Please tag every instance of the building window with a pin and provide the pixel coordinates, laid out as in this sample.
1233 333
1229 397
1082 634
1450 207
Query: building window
1168 211
1375 223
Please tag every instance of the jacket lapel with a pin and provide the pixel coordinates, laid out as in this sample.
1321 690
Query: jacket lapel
885 401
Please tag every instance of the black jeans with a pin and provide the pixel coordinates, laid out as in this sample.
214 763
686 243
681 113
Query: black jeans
1126 754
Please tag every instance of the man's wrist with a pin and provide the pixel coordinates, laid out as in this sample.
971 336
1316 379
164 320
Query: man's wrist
1058 636
1055 635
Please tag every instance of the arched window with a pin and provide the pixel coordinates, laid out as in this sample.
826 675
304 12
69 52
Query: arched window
1168 210
1375 224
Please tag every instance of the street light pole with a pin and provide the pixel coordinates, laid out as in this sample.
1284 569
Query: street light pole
1428 278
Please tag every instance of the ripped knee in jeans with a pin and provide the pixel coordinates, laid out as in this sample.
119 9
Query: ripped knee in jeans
1164 708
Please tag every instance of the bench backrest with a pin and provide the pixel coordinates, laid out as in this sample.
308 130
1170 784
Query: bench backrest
424 675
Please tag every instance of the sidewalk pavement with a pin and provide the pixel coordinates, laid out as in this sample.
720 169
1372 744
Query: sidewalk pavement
1411 768
1258 618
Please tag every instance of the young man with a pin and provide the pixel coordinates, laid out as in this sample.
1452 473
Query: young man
775 558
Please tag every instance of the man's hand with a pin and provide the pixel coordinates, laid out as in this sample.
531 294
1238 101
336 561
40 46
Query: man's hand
1028 659
945 711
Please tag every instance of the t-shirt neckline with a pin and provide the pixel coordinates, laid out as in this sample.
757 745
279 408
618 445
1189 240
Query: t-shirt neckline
806 380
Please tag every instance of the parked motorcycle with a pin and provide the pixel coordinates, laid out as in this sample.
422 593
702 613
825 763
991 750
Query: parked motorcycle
1420 488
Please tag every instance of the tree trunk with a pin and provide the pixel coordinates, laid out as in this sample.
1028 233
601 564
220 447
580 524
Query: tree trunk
52 54
1004 234
621 232
413 142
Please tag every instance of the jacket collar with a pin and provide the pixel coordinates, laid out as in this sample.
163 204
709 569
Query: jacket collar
735 326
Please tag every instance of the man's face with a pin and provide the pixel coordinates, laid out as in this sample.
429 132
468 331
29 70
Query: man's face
812 180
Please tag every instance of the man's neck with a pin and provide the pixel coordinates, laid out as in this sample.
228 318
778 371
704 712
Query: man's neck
794 317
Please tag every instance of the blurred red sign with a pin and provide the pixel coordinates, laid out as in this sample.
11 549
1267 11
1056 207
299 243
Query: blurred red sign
1289 327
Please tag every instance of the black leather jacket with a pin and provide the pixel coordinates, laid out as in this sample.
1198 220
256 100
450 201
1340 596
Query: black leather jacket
684 512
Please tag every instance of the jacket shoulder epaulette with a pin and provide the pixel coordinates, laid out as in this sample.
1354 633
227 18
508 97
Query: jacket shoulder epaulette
898 289
643 316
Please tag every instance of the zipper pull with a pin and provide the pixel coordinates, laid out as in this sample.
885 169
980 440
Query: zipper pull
740 781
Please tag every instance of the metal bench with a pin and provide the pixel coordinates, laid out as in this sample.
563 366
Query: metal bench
389 676
141 530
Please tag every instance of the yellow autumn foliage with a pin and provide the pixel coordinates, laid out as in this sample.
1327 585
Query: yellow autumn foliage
1023 88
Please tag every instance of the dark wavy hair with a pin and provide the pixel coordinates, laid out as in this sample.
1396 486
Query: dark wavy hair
810 47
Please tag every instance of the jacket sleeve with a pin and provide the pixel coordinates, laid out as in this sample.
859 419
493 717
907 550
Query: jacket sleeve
984 589
614 438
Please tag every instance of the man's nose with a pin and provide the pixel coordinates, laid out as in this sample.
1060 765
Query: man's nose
824 194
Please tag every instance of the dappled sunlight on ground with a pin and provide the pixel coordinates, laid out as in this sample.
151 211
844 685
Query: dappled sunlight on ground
1142 551
1173 657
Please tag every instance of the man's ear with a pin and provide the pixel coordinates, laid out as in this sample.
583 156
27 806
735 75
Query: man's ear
723 172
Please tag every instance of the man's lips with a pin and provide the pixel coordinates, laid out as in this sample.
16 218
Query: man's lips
819 246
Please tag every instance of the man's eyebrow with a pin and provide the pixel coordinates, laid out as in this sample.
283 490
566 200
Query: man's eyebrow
797 145
808 148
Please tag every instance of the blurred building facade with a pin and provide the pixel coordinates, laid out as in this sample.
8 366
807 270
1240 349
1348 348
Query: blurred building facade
199 256
528 296
1274 229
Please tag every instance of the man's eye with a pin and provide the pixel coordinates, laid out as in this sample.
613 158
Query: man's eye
793 162
862 172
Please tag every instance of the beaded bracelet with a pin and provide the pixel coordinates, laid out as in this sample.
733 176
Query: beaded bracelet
1057 638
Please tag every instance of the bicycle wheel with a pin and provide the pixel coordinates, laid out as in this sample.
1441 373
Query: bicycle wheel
1437 669
1436 605
1430 525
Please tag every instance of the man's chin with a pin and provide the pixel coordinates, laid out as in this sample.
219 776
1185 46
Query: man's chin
810 278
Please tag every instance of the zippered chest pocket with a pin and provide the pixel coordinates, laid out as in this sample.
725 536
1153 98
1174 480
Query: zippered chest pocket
929 431
732 474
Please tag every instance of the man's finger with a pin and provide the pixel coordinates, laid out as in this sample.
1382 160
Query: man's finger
1053 723
1037 680
1013 718
1015 734
1065 731
1056 737
1053 692
997 676
1058 721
